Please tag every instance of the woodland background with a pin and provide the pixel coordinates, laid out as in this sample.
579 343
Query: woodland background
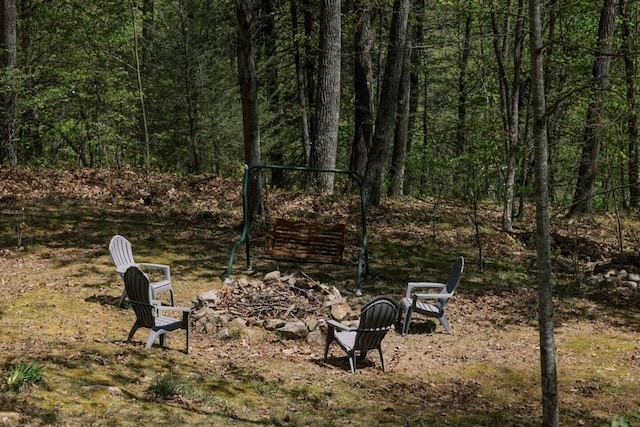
155 84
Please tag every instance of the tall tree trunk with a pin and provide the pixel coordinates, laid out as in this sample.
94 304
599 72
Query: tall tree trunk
300 84
310 55
363 81
385 118
583 195
139 73
325 147
509 98
465 52
550 413
267 37
629 46
396 173
190 88
249 95
9 68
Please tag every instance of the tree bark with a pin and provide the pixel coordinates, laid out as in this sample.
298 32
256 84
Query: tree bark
631 72
583 195
9 67
300 84
249 95
461 124
396 173
363 90
325 147
385 118
550 413
509 98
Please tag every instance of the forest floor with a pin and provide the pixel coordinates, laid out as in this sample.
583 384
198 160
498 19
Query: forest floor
60 291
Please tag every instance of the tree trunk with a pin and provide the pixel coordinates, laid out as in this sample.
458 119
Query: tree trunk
385 118
509 99
267 36
249 95
310 55
631 71
550 413
363 81
9 67
583 196
396 173
190 88
461 124
325 147
300 84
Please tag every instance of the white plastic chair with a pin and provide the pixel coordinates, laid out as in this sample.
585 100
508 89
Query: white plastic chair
122 257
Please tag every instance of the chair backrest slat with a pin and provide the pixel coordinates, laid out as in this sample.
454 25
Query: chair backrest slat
454 279
139 291
376 319
121 252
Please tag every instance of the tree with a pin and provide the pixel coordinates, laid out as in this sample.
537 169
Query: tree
401 138
9 68
631 71
387 106
509 96
324 148
545 280
249 96
593 129
363 87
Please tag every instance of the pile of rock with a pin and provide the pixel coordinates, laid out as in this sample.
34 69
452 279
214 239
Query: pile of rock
614 277
294 305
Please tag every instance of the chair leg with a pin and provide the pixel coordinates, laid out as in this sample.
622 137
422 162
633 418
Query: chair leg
445 323
381 359
407 321
152 337
171 292
187 350
352 360
133 330
122 297
330 335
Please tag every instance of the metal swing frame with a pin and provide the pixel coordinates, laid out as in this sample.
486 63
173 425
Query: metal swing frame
363 253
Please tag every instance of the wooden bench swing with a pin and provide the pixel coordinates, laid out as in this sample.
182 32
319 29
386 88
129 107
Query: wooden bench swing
303 241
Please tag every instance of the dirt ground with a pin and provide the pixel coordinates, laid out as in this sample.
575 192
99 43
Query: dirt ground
59 294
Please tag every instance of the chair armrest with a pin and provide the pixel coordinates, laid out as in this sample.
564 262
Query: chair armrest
413 285
186 311
171 308
165 268
337 325
442 295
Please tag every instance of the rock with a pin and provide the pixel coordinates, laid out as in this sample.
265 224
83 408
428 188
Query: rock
274 275
294 330
631 284
238 324
312 323
316 337
634 277
223 333
273 324
340 310
211 297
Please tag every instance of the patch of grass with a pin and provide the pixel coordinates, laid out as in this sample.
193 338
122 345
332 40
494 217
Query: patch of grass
23 374
167 387
622 421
